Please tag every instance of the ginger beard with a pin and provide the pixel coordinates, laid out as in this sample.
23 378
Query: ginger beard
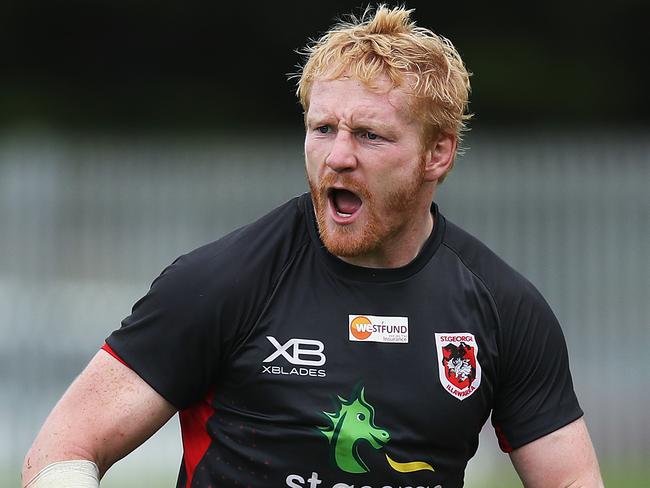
385 216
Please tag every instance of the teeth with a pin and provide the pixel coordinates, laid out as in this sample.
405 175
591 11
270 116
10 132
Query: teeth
341 214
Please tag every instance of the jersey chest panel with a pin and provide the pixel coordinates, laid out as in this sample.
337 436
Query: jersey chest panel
327 349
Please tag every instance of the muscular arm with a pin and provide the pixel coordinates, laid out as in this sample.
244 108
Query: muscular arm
106 413
562 459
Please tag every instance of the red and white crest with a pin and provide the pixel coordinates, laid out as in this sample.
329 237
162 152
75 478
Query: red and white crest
458 366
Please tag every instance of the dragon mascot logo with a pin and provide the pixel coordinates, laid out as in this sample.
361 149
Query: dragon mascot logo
352 423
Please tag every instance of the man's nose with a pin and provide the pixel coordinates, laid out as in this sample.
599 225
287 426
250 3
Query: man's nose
342 156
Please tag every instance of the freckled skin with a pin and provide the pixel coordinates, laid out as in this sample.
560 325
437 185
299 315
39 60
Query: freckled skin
106 413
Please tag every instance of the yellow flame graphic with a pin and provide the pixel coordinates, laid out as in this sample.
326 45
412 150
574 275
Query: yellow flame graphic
409 467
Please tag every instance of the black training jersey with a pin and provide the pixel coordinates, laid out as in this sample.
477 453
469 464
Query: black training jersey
292 368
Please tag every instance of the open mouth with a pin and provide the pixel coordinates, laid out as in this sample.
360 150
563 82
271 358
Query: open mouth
344 204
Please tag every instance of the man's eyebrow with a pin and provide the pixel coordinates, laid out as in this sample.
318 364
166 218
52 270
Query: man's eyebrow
375 123
316 115
366 123
369 121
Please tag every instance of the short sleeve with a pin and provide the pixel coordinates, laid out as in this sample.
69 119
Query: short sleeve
175 337
182 334
535 394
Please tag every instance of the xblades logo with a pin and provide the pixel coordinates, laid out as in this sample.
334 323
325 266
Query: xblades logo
352 423
299 352
297 356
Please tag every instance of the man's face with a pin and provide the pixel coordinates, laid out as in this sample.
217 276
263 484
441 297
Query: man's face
365 166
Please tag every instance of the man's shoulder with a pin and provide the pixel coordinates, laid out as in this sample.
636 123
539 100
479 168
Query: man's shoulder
495 273
282 226
254 252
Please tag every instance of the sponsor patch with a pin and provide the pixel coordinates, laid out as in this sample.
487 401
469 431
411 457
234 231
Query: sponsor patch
371 328
458 366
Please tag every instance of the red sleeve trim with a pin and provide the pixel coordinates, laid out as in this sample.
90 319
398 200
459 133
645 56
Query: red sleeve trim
503 442
110 351
194 431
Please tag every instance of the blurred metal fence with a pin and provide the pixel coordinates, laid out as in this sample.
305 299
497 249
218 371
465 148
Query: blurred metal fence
86 224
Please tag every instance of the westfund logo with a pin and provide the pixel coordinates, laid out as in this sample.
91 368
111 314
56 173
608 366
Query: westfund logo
372 328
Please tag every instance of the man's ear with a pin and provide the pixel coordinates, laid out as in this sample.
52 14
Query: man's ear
439 157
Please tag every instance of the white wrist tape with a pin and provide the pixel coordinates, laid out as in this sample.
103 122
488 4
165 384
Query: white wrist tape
67 474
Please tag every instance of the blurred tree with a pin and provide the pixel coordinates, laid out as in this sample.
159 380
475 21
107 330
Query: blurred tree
205 65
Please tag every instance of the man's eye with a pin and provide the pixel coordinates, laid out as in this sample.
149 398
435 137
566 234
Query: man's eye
371 136
323 129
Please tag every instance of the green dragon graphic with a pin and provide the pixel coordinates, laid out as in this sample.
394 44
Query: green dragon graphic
353 422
